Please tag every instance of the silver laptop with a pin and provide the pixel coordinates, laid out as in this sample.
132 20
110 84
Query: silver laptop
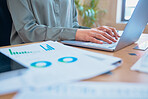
131 33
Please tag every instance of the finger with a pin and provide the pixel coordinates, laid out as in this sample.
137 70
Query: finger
108 30
101 37
115 32
105 35
94 40
108 36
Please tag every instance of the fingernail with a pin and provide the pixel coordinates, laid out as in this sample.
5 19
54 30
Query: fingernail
101 42
115 41
110 42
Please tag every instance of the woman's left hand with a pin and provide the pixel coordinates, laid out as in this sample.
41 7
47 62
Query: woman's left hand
110 30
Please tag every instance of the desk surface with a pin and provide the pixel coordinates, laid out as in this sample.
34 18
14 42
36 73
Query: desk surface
121 74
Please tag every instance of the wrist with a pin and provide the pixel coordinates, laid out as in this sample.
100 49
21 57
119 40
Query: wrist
78 34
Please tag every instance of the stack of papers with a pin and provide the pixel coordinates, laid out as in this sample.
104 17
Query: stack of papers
142 64
13 84
55 52
51 62
87 90
76 90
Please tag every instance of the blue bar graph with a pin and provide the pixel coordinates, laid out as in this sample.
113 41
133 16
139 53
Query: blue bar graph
47 48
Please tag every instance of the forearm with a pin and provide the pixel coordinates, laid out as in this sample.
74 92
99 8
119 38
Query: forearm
35 32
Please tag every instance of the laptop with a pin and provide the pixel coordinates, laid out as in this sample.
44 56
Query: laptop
9 68
131 33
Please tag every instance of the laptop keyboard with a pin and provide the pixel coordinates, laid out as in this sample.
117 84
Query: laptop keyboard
105 45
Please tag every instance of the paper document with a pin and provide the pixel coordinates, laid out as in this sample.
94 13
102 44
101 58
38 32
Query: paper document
10 85
87 90
26 54
141 64
50 62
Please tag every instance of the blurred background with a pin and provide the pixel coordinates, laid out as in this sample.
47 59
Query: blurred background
115 13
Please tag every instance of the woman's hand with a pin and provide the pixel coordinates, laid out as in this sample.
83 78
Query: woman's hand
94 35
110 30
